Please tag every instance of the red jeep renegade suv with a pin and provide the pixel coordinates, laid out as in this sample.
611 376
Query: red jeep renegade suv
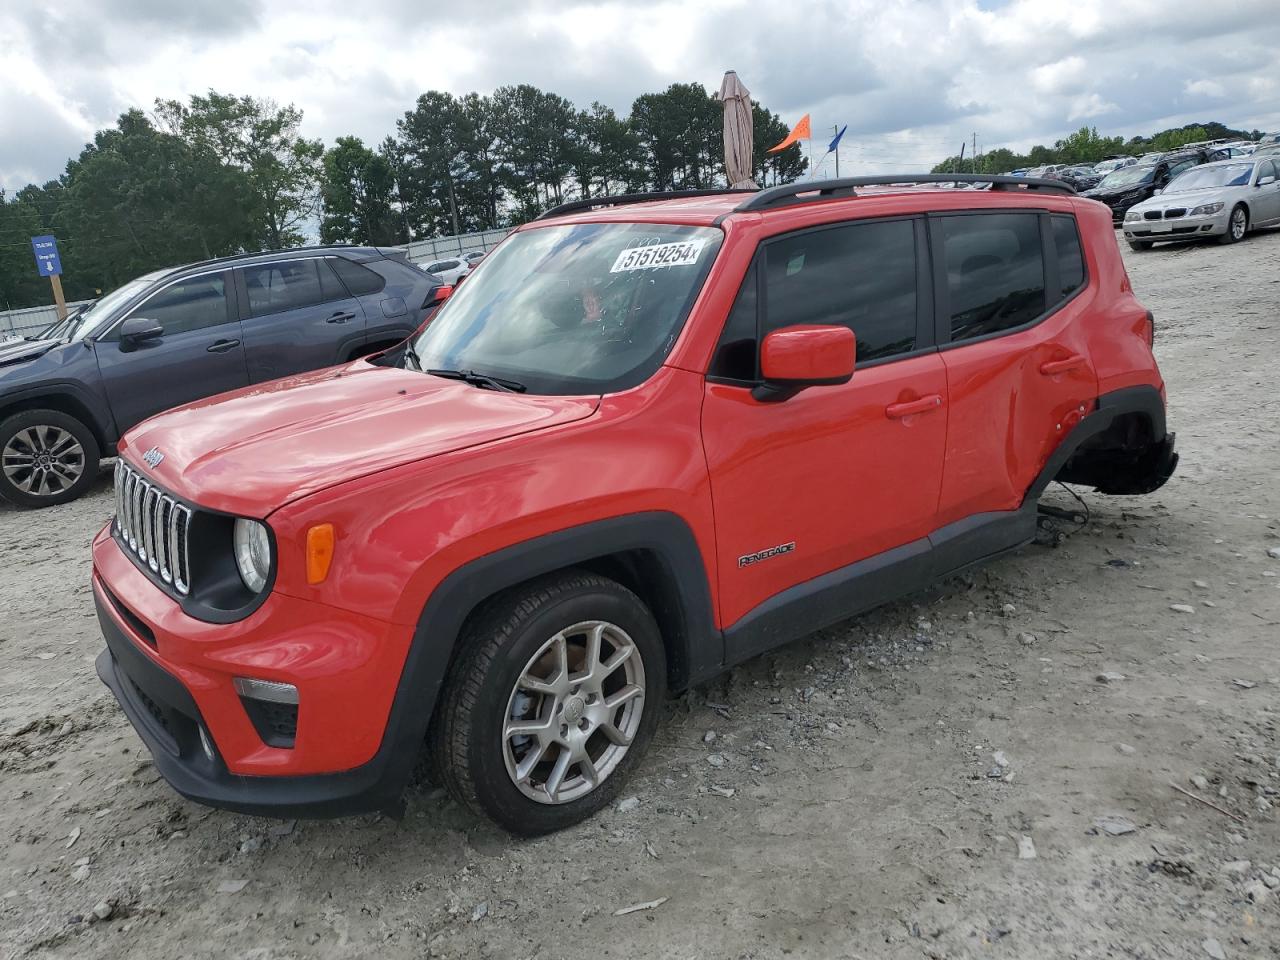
631 451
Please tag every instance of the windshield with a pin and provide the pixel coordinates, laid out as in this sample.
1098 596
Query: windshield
583 308
1227 175
93 317
1127 177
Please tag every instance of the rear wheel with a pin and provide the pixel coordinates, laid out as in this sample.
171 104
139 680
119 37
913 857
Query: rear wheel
1237 225
46 457
551 704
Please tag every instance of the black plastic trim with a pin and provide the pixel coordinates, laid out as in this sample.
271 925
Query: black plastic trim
791 193
589 203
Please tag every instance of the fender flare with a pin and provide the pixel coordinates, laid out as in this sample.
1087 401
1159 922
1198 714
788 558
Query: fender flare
664 537
1145 400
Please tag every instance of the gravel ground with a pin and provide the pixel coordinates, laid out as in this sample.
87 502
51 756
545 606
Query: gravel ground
946 777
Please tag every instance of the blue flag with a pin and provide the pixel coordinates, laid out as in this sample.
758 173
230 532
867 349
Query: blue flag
836 142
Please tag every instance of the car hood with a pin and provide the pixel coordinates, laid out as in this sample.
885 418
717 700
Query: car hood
1098 193
1186 198
254 450
17 351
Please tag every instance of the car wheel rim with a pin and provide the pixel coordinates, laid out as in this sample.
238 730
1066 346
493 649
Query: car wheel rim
1237 224
574 712
43 461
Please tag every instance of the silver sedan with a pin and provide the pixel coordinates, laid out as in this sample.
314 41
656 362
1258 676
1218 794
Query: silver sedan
1224 200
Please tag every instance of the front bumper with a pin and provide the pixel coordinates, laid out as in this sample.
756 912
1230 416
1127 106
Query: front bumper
1179 228
173 677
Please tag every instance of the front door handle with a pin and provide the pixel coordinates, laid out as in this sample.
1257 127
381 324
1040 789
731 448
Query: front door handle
341 317
897 411
1054 367
222 346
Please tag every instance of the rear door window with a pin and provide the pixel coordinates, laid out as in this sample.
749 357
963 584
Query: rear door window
1066 240
994 269
285 285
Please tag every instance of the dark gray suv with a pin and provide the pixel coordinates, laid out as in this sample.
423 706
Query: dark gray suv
185 333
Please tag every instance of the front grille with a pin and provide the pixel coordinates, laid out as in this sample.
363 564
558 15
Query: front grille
1151 214
153 526
1175 212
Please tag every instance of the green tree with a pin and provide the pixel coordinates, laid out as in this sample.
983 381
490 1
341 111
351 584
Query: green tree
770 169
607 159
263 140
356 193
681 133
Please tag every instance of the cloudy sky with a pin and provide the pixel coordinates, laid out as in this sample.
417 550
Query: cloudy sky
912 78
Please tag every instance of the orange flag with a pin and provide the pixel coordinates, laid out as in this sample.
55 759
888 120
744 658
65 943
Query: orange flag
799 132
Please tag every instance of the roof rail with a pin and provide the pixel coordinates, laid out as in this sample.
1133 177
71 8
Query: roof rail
845 187
590 202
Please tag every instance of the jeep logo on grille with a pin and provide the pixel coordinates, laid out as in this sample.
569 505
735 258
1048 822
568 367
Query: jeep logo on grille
153 457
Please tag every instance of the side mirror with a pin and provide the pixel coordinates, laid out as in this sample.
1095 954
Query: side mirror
1264 181
804 356
136 330
1158 190
439 295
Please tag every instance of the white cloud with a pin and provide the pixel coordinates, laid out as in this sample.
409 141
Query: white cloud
911 79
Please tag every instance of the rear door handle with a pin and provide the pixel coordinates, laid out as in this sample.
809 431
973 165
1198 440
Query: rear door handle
341 317
897 411
222 346
1054 367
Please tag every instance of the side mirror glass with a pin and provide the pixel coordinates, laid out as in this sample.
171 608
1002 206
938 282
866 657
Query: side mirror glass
136 330
805 356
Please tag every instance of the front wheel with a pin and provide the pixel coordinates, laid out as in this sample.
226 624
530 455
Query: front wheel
551 703
46 457
1140 245
1237 226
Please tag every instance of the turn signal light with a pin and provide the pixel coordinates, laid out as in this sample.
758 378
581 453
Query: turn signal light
320 540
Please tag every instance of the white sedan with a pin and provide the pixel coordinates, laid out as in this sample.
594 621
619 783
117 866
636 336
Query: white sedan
1224 200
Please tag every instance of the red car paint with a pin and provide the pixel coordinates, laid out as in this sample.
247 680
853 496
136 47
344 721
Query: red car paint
420 476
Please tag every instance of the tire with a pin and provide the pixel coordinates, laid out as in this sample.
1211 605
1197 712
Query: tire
516 640
1140 245
46 458
1237 225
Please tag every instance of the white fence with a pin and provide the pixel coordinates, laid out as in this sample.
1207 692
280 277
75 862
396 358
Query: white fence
21 323
421 251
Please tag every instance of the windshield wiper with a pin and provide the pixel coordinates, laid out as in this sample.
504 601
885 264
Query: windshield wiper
480 380
411 357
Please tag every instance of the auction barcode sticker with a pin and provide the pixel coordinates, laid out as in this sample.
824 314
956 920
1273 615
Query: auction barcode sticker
682 254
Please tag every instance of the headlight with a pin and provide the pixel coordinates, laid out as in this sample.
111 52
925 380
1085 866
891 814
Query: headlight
253 553
1132 214
1206 209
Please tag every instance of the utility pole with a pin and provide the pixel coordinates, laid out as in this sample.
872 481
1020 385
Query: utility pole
975 151
835 128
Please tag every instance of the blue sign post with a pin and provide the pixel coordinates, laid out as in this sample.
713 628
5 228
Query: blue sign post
49 264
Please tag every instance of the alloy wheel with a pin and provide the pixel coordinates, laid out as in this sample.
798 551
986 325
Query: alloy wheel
574 712
1238 223
43 461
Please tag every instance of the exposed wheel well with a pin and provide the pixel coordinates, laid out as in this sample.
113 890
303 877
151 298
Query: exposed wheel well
1126 458
63 403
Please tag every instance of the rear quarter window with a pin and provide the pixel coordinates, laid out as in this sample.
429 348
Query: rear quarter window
359 280
1066 240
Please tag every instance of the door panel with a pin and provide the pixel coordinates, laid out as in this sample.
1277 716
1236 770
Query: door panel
199 355
1020 383
840 472
298 318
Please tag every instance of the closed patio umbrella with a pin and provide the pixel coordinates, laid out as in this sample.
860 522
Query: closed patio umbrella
738 130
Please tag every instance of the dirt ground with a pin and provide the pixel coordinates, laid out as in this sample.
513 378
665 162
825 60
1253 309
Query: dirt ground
870 792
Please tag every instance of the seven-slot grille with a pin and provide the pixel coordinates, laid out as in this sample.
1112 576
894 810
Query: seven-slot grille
154 526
